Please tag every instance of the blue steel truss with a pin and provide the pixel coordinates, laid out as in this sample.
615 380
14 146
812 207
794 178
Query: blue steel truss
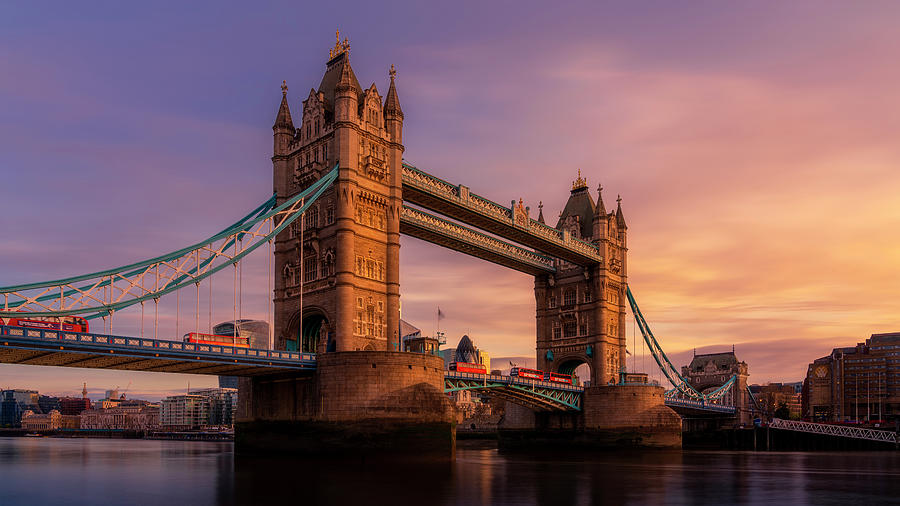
19 345
682 389
101 293
525 230
538 395
446 233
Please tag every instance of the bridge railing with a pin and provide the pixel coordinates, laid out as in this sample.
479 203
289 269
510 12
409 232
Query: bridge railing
138 343
698 404
513 380
466 234
835 430
459 194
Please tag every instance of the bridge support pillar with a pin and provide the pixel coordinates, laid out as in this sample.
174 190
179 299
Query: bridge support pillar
358 404
611 416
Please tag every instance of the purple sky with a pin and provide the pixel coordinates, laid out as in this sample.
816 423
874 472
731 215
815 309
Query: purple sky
755 149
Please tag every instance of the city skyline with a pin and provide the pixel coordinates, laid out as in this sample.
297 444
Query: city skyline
756 189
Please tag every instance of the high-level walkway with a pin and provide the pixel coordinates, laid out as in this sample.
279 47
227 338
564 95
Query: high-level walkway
456 202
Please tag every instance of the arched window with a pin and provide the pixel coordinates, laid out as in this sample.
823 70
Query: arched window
310 271
311 220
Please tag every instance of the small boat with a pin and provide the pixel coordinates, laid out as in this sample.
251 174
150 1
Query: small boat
33 434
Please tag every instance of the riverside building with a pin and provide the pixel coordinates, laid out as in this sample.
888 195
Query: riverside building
857 383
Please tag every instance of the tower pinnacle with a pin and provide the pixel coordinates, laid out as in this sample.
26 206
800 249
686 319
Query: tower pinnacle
620 218
392 102
600 210
339 47
579 183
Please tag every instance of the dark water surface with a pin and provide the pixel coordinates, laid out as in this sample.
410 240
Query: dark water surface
46 471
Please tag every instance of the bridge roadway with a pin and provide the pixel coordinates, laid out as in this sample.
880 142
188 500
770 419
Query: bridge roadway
27 346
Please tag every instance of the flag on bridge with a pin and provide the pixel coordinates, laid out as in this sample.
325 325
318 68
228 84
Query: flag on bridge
441 314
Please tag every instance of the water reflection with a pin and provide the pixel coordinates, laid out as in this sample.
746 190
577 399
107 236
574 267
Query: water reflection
94 471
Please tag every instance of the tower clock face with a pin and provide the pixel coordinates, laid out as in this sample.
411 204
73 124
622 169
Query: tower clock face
821 371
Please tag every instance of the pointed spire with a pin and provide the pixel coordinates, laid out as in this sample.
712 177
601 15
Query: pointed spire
541 212
392 103
346 79
600 210
283 119
620 218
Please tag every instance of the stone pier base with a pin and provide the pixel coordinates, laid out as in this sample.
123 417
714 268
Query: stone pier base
358 404
611 417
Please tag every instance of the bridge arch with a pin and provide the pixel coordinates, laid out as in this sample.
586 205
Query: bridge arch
579 365
313 336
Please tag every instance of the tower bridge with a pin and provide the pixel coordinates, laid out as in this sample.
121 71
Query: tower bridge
342 197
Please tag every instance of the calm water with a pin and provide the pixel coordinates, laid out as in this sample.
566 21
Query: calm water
42 471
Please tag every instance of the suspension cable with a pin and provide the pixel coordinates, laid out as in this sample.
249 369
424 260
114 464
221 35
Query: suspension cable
241 284
156 306
269 291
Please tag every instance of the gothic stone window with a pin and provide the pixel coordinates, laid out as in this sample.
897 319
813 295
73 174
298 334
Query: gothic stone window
587 295
569 297
613 295
311 220
369 317
557 331
329 215
369 268
583 329
310 272
569 329
612 330
552 302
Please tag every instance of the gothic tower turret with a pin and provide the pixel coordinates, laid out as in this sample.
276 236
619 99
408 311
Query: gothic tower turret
580 309
283 134
346 270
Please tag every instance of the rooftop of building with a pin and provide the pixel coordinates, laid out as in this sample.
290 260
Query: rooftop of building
722 360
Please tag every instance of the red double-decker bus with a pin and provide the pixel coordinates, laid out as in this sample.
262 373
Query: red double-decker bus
67 323
522 372
556 377
468 367
217 340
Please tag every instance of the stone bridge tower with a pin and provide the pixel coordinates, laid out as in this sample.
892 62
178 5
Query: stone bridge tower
709 371
581 311
348 266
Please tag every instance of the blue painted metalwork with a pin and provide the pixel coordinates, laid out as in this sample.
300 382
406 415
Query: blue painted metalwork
540 395
682 391
701 405
578 250
521 258
156 350
183 267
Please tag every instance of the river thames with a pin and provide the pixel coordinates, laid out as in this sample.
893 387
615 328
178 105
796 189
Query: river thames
135 472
